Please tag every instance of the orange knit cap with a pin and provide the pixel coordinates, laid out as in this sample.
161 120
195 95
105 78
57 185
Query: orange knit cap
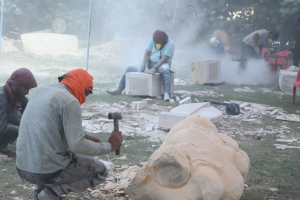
77 81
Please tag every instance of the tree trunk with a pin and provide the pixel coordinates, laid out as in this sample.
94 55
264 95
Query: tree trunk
286 34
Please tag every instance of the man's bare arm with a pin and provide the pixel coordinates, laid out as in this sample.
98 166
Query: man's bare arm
255 39
146 59
162 61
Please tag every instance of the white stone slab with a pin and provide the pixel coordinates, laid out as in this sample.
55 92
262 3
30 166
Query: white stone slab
211 113
49 42
139 105
169 119
207 71
142 84
187 100
190 109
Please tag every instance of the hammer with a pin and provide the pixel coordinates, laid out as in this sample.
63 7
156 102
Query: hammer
115 116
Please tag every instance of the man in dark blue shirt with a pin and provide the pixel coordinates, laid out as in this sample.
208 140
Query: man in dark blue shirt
296 52
217 47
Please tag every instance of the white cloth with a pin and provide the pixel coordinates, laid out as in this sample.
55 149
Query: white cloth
214 42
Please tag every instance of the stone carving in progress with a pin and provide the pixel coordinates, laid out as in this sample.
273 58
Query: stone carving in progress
195 162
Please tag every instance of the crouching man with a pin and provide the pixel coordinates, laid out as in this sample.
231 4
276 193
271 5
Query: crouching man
52 150
12 105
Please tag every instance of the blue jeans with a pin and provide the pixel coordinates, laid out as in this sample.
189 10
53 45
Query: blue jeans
164 70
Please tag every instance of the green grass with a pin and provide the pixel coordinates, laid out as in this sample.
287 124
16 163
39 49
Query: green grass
271 168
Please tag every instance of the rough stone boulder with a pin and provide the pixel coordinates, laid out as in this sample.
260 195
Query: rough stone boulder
286 81
195 162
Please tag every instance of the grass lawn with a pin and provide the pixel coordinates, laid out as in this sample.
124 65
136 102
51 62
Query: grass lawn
270 168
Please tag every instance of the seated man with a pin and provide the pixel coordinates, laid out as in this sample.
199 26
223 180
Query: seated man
52 148
12 105
157 58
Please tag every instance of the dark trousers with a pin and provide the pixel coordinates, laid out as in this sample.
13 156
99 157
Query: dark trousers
247 53
296 56
14 118
82 172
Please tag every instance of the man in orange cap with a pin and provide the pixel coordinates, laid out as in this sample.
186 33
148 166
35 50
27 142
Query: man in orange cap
12 105
52 150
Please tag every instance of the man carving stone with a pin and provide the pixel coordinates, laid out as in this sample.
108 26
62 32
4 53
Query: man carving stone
253 45
157 59
52 149
12 105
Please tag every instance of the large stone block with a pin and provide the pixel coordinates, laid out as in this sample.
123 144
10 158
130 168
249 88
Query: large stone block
286 81
169 119
49 42
139 105
142 84
194 162
208 71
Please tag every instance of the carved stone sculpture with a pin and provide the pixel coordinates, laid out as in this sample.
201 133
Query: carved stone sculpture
195 162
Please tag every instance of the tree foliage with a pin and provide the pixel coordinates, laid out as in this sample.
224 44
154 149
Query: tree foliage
195 21
23 16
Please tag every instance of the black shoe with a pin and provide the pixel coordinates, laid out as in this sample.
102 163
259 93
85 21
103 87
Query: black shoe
36 193
48 194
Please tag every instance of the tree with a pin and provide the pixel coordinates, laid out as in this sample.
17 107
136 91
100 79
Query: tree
22 16
195 21
290 10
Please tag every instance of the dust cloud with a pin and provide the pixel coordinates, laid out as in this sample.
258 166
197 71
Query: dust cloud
256 72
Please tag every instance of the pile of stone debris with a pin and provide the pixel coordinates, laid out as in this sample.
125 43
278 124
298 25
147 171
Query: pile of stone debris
250 111
114 186
180 81
142 118
208 93
7 45
293 143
